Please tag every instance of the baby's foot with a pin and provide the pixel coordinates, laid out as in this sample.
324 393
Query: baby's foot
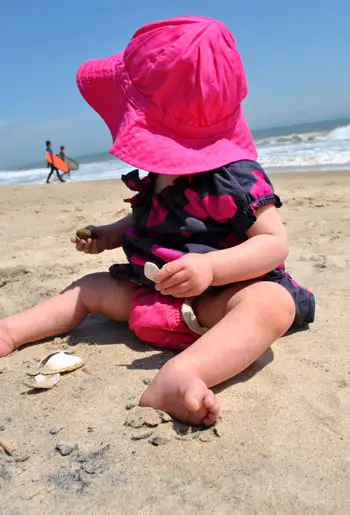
6 344
183 395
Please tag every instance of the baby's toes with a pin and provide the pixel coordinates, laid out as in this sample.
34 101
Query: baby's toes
212 405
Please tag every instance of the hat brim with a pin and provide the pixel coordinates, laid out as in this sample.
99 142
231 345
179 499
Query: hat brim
142 141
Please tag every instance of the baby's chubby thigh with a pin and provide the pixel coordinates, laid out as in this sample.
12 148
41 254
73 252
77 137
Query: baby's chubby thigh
255 296
211 307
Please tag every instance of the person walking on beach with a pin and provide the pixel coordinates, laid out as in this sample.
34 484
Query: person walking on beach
51 166
62 155
204 242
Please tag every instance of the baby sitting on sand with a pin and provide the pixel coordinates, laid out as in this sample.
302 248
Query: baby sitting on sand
206 216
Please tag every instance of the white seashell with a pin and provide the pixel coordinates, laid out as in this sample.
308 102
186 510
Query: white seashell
150 271
57 362
42 382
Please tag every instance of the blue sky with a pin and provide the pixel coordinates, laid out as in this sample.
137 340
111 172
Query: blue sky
295 54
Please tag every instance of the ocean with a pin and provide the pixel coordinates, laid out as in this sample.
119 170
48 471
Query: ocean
320 146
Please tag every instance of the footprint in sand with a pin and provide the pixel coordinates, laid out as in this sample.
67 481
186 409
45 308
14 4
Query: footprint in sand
11 275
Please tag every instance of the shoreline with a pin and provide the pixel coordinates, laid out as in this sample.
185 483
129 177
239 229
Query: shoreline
321 174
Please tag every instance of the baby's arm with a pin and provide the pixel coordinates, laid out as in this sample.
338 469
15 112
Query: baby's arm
106 237
265 249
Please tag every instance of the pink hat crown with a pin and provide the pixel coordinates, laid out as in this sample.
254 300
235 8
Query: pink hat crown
189 69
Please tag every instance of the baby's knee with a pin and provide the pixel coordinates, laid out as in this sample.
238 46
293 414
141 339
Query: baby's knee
90 292
281 310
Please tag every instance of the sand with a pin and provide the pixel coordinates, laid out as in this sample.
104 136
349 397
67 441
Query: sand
282 445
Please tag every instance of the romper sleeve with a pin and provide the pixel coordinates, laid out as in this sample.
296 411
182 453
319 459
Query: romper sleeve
134 182
142 186
234 193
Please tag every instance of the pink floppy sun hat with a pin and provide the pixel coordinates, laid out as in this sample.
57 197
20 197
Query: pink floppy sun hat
172 98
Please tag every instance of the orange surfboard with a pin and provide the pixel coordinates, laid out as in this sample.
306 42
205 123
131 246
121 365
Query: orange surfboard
57 162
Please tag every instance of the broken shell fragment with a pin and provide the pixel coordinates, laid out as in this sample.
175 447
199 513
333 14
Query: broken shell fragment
42 382
58 362
150 271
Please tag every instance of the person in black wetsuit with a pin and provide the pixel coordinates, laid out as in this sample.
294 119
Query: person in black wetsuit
62 155
52 167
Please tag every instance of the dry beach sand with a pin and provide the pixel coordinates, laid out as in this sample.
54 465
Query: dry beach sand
282 446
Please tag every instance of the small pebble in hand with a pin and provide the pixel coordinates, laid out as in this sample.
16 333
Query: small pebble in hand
85 234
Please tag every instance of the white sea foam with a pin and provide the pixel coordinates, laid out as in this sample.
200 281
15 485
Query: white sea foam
307 150
340 134
87 172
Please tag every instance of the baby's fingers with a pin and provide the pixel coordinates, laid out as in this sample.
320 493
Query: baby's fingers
88 246
81 245
171 281
169 269
92 247
179 291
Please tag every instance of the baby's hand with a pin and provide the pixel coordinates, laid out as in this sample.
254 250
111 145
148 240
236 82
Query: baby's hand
188 276
93 245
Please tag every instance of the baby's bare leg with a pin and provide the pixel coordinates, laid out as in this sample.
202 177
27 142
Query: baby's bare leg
95 293
245 320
